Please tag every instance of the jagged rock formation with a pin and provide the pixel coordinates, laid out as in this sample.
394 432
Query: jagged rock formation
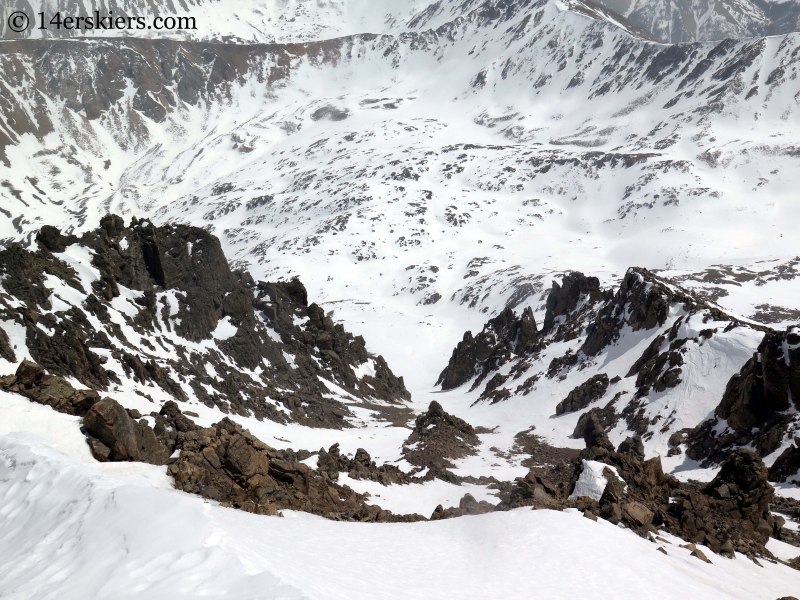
787 466
582 396
437 439
755 405
674 332
509 335
565 299
142 306
502 336
731 513
636 304
658 370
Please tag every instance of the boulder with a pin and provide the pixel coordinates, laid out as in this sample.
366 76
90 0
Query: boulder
114 436
593 433
466 506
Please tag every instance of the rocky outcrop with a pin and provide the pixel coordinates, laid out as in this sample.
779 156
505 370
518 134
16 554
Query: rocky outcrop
642 301
564 299
659 370
31 381
224 462
755 403
533 490
502 336
114 436
112 433
165 309
606 417
729 514
439 438
583 395
466 506
332 462
508 335
787 466
228 464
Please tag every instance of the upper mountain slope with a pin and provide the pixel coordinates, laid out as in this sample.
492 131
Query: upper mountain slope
702 20
257 21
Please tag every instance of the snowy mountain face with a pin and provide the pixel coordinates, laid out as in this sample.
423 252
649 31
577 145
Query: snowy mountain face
701 20
546 260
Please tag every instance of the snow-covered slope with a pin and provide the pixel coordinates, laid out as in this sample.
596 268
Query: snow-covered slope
68 530
538 137
246 21
422 169
701 20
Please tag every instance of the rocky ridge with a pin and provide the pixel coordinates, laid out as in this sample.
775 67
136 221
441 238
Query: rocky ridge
224 462
759 406
227 464
638 393
729 514
158 311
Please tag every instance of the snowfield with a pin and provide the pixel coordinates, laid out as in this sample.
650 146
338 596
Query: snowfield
72 532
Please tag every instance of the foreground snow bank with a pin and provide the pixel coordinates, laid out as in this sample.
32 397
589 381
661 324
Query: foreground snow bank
70 531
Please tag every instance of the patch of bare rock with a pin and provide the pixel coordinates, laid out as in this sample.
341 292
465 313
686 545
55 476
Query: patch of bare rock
437 439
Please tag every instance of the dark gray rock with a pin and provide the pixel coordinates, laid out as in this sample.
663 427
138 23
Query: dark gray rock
583 395
503 335
755 401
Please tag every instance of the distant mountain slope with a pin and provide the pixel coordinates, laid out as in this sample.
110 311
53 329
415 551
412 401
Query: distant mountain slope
259 21
680 21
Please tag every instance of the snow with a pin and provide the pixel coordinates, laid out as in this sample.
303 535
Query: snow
783 550
70 532
17 413
591 482
225 329
421 499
